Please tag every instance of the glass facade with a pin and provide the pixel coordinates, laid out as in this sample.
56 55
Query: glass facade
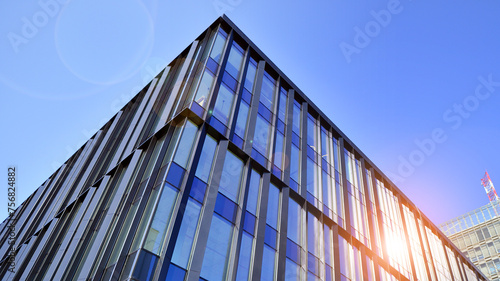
477 235
221 170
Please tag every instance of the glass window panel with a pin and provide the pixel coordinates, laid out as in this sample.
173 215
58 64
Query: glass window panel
249 223
235 60
311 132
184 148
268 262
295 164
175 273
253 192
224 104
206 159
267 92
262 136
225 207
204 89
124 233
296 118
217 250
230 181
175 175
245 257
313 186
282 105
292 271
314 228
144 220
157 230
187 230
241 122
250 77
273 206
145 266
218 47
278 152
344 258
294 221
328 240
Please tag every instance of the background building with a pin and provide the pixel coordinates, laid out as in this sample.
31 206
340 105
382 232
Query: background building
222 169
477 233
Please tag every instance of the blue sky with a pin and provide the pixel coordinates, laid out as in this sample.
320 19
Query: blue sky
414 84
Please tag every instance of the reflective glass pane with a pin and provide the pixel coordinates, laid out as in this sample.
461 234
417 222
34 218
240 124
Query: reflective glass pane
185 238
184 148
245 257
145 266
314 229
241 122
217 251
268 261
296 118
224 104
206 159
253 192
294 164
235 60
282 105
294 221
175 273
261 136
267 92
218 47
207 80
278 151
292 270
158 228
250 77
230 181
272 206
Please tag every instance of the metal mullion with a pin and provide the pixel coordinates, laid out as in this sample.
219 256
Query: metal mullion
99 156
85 233
101 267
288 136
342 164
373 242
254 107
185 189
283 233
143 201
261 228
336 252
423 239
303 150
407 237
380 214
239 226
110 214
218 78
239 93
206 214
179 81
68 236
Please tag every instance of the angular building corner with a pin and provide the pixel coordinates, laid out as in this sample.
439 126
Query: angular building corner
222 169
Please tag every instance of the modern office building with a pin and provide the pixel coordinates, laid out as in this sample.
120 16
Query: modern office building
222 169
477 234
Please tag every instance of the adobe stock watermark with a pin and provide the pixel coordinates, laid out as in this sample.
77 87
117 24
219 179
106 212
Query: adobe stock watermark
31 25
454 117
224 6
154 66
363 36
